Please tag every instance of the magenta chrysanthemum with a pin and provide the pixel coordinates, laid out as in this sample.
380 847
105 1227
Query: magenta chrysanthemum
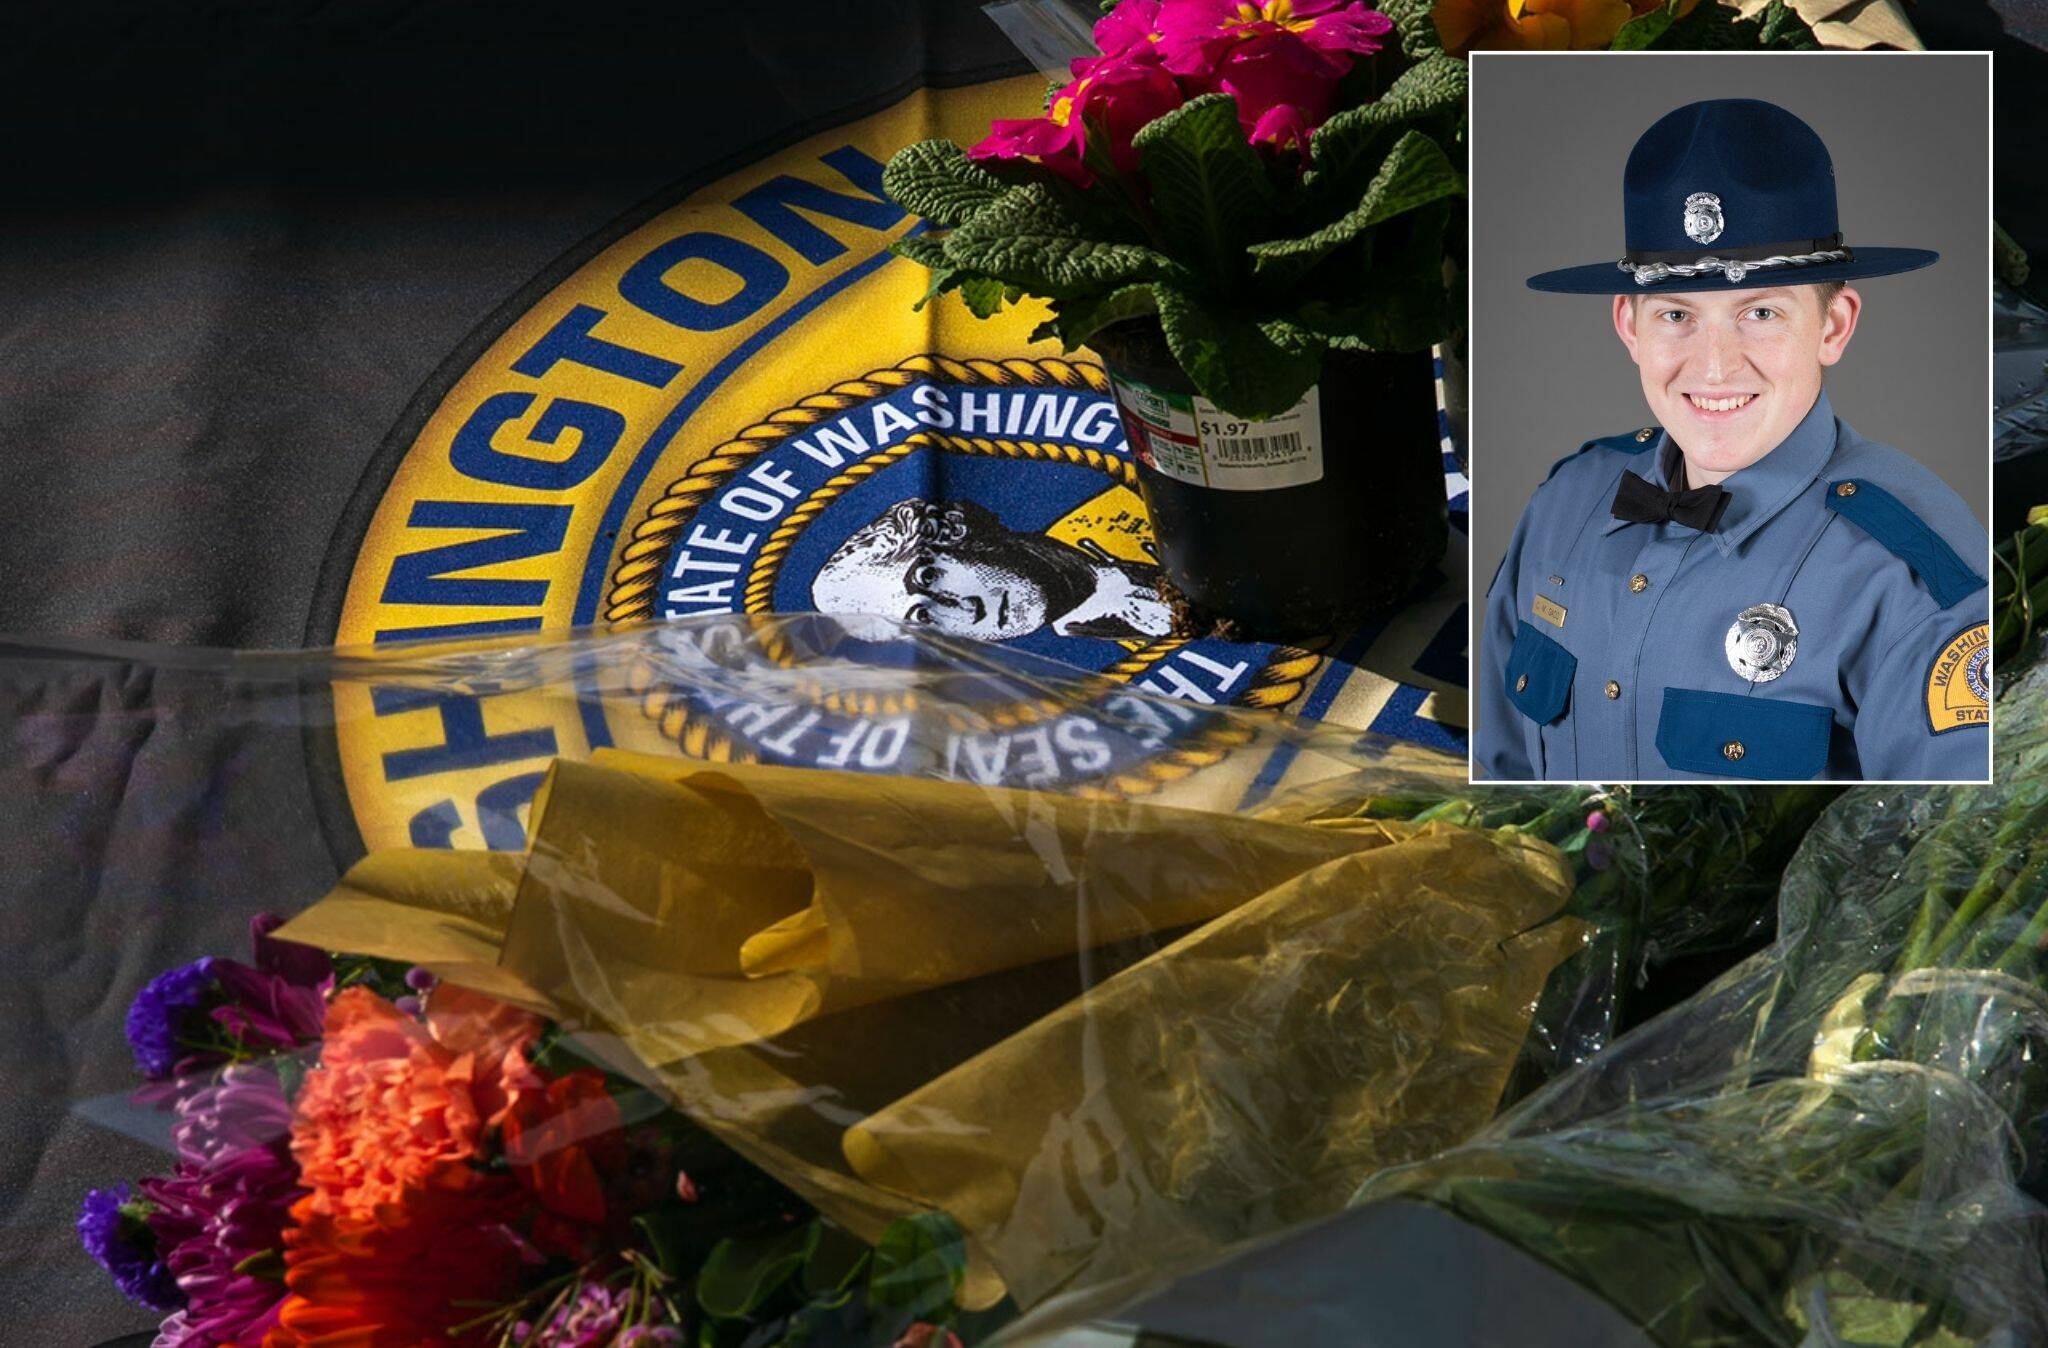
220 1216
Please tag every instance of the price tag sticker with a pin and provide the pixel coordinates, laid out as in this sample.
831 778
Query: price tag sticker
1188 438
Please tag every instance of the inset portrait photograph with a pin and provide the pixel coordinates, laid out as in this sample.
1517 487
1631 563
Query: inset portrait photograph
1730 454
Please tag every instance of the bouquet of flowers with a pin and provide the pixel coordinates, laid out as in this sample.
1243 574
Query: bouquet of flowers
366 1155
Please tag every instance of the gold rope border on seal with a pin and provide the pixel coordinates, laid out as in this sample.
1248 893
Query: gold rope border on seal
637 576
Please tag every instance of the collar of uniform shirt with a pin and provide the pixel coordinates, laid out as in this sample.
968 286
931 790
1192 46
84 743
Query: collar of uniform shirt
1758 492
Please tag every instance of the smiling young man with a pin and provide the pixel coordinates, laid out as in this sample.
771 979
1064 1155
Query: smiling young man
1749 589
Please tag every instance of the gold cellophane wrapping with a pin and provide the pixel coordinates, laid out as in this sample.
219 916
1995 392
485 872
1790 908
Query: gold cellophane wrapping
1099 1034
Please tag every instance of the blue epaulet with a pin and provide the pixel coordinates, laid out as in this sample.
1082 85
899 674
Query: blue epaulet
1885 518
1628 442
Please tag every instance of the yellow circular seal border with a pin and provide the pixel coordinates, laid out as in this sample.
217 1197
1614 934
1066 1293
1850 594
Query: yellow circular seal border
497 508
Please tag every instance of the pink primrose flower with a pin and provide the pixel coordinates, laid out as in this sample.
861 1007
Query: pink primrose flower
1118 94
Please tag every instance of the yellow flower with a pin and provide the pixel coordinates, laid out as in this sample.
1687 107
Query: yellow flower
1542 25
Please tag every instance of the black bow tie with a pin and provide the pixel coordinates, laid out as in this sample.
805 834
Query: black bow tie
1640 502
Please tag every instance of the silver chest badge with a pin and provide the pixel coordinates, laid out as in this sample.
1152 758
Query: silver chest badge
1762 642
1703 217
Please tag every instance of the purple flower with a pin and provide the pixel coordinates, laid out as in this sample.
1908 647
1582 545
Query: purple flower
302 965
220 1217
244 1109
591 1320
116 1232
273 1007
265 1013
158 1015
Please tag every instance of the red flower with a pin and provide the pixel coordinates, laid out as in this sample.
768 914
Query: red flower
564 1142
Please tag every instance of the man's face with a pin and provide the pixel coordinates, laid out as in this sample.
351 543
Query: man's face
1730 373
971 596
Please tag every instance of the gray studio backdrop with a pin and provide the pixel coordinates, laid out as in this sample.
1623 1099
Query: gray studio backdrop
1550 134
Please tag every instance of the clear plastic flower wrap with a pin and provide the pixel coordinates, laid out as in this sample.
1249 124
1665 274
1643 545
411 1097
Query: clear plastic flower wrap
568 1011
958 980
1841 1140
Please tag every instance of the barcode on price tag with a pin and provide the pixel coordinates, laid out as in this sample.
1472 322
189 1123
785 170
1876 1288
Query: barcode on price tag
1258 449
1190 439
1241 455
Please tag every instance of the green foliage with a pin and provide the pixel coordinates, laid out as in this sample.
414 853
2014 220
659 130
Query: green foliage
1645 29
1209 188
744 1273
1024 238
1254 264
1348 147
1245 367
817 1283
1414 174
1715 27
1415 24
1077 320
919 1264
936 179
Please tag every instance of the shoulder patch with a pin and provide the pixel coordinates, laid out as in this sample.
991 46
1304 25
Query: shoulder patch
1885 518
1959 681
1628 442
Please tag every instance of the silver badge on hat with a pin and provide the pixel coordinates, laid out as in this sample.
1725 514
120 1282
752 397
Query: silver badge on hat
1703 217
1762 642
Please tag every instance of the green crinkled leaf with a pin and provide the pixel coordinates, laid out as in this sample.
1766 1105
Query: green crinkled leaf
1209 187
1349 143
1415 24
743 1273
1642 30
983 296
1401 301
1717 27
1025 239
918 1264
936 179
1234 362
1075 321
1414 174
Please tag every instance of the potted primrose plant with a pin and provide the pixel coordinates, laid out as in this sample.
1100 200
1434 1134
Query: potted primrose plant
1251 212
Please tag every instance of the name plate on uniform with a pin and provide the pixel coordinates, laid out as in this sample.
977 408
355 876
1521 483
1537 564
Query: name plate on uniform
1549 610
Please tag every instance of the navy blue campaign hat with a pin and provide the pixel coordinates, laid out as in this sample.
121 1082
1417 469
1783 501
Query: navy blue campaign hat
1729 194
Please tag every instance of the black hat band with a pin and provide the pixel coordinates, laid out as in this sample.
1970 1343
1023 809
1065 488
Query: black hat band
1647 268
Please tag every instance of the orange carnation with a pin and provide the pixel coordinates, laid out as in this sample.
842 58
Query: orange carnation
397 1226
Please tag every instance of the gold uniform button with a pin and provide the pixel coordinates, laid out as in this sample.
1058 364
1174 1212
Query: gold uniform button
1613 690
1522 684
1645 433
1846 489
1638 583
1732 750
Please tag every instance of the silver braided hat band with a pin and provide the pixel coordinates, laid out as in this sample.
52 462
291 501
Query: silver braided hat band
1647 273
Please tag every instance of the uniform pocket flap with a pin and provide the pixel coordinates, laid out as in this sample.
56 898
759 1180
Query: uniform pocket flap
1729 735
1539 675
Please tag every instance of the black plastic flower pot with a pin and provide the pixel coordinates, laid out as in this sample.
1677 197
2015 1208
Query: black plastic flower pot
1294 545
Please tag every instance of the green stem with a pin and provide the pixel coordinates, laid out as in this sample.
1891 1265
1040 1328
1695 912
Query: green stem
1990 881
